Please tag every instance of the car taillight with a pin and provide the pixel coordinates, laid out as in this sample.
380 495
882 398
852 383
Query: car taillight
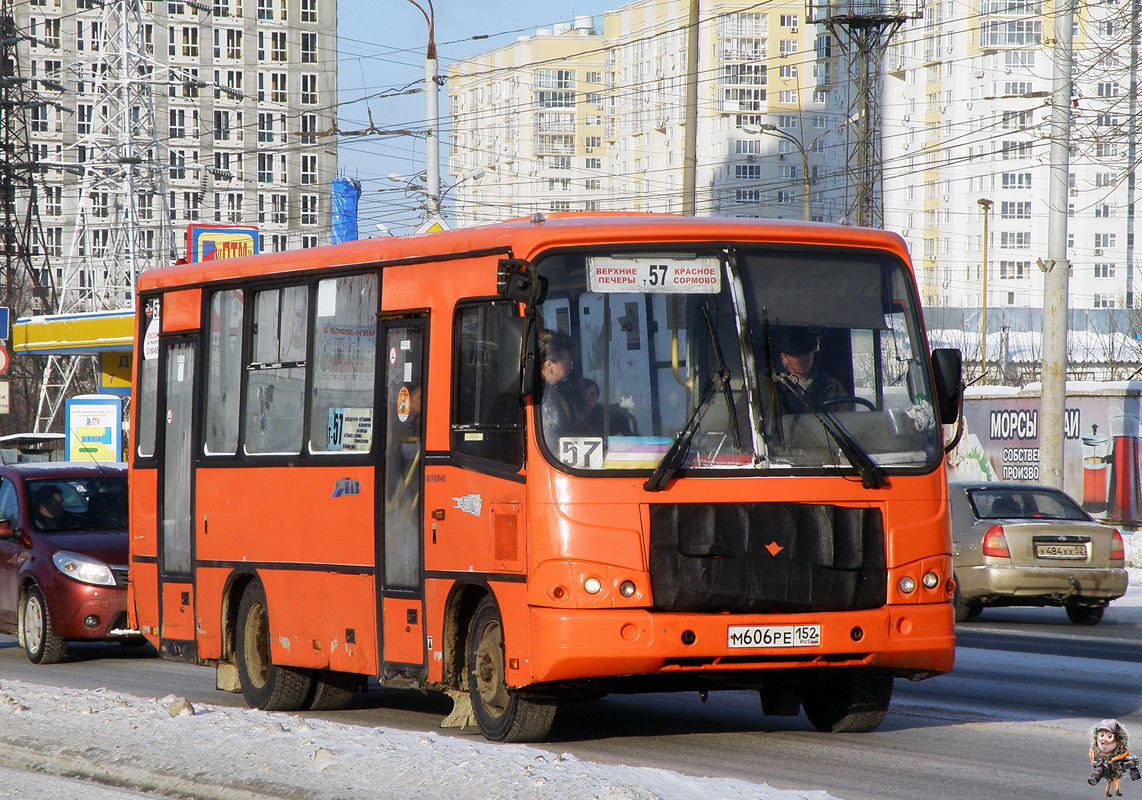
995 543
1117 547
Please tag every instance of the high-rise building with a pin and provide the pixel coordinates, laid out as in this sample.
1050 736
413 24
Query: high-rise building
968 120
591 117
239 90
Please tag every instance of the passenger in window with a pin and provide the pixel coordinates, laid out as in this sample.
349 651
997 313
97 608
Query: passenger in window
561 403
797 348
619 421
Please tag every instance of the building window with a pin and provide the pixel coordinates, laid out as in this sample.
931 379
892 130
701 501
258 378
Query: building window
747 196
1104 301
1017 180
1015 240
265 9
190 42
308 240
1105 241
265 168
309 11
280 206
309 209
1104 270
747 172
309 89
308 170
1015 210
278 92
309 48
265 127
278 46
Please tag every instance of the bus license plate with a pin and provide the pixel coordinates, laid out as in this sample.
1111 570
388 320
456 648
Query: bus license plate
1061 551
774 636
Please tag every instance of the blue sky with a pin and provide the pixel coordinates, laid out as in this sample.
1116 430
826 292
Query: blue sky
381 53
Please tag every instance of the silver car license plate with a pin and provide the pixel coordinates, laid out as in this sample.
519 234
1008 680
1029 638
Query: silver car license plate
1065 552
774 636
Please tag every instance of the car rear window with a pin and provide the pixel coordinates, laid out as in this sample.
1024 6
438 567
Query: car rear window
1025 504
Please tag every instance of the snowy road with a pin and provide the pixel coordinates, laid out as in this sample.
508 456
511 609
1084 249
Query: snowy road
1011 720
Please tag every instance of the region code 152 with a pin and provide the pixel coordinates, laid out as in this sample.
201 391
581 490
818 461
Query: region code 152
774 636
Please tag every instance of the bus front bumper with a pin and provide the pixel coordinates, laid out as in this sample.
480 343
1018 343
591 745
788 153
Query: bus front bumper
586 643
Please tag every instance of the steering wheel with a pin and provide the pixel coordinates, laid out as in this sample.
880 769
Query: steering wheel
839 401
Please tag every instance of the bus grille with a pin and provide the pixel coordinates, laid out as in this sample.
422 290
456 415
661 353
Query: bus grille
758 557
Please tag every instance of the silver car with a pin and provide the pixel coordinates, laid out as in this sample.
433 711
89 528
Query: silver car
1017 544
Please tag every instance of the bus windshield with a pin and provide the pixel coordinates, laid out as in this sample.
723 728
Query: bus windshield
743 359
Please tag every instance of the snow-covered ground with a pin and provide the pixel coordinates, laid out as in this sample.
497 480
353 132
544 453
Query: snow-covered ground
237 754
242 754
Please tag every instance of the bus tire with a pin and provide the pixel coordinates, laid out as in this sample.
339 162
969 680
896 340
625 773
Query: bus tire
332 691
265 685
502 715
846 701
41 644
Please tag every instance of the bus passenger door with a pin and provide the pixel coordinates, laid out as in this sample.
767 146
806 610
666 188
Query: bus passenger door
176 493
400 560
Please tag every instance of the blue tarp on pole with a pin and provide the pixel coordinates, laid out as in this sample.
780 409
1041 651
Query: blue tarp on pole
346 193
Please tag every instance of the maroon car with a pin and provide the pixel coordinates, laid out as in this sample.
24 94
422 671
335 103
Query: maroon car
63 555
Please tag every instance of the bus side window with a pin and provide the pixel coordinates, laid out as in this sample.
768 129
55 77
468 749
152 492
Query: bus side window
275 377
344 360
224 372
485 423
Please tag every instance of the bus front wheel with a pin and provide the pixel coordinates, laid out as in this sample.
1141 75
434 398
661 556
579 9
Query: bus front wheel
265 684
502 715
843 701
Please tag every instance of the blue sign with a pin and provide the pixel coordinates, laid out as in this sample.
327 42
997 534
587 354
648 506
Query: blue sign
5 331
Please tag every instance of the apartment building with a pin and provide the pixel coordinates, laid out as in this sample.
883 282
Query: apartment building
240 90
589 116
967 128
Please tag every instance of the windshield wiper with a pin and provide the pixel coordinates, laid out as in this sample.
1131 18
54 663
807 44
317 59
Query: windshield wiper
677 452
719 381
871 474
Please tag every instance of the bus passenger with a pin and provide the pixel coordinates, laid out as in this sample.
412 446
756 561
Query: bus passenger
798 348
562 409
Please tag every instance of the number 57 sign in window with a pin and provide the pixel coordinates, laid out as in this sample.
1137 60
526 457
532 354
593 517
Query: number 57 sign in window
581 452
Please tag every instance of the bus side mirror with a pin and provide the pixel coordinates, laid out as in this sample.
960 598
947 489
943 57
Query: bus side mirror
518 341
948 368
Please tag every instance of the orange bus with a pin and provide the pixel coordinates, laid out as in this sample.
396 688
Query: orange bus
548 459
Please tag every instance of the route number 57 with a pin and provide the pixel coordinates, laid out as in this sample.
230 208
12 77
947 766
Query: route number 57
581 452
658 274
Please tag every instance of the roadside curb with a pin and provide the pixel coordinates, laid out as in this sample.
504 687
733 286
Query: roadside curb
123 776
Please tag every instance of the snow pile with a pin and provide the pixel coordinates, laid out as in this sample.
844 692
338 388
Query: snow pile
243 754
1133 542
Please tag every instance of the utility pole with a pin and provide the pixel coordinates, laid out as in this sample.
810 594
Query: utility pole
986 205
432 112
1056 281
690 126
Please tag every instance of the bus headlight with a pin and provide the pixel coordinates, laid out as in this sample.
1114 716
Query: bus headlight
907 584
930 580
592 586
83 568
627 588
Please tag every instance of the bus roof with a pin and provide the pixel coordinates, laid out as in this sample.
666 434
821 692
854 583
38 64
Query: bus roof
526 237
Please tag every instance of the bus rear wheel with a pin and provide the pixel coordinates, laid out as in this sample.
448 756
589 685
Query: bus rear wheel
844 701
502 715
265 684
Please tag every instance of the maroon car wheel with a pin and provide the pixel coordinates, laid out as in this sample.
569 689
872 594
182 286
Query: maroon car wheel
40 642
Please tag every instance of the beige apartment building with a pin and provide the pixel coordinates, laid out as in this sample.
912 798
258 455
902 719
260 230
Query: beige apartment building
589 115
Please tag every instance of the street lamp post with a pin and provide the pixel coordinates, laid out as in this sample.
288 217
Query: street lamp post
806 208
986 205
431 94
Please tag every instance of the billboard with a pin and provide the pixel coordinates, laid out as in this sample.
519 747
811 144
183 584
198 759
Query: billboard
95 428
215 242
1102 450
